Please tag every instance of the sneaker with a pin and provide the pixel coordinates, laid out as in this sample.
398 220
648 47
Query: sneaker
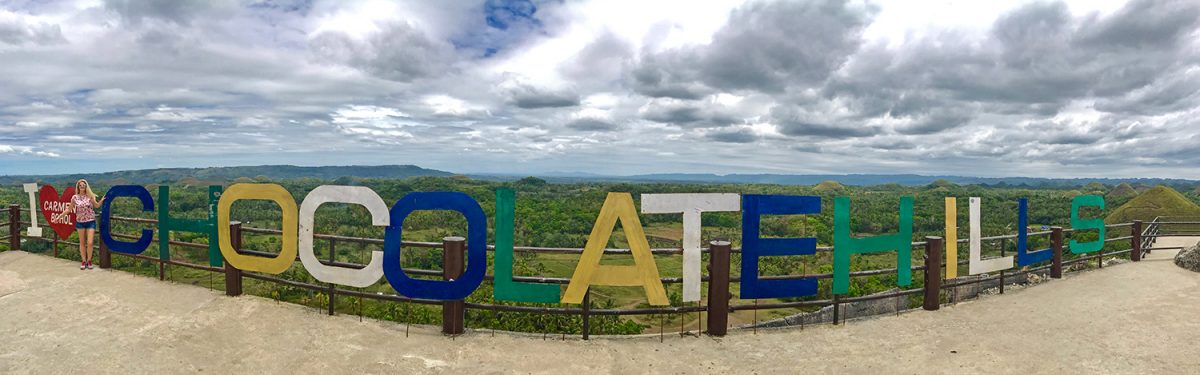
89 265
82 265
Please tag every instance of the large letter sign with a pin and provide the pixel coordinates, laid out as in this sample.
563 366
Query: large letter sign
691 206
476 246
589 271
844 245
147 236
754 246
951 237
978 265
299 231
271 192
1080 224
33 230
168 224
1024 256
54 208
505 289
360 195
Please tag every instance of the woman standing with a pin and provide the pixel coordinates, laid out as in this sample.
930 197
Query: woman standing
84 203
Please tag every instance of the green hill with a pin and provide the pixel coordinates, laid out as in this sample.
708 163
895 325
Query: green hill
1159 201
941 183
829 185
1095 188
1122 191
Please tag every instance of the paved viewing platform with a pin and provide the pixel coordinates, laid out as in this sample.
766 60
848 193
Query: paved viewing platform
1130 318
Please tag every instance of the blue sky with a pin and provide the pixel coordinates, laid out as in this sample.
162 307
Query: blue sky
1001 88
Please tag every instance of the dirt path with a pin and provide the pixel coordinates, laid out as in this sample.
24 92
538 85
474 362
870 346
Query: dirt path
1131 318
1169 255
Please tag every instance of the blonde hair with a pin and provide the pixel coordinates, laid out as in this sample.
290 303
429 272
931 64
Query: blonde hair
87 190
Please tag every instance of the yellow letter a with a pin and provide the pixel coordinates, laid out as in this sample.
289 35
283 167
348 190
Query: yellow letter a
589 271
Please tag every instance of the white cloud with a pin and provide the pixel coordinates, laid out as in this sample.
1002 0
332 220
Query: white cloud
610 86
26 150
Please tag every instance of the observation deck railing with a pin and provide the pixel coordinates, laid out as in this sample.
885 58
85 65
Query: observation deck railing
934 292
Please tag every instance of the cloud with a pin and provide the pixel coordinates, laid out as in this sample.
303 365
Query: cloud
995 88
735 136
937 121
1143 23
794 121
25 150
606 56
176 11
686 113
530 97
769 45
592 124
1168 93
766 46
673 112
669 75
398 52
18 29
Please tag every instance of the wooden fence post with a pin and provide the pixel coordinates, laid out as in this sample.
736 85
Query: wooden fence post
1136 252
1056 244
933 273
332 288
14 226
453 252
718 288
1002 243
233 276
586 315
105 256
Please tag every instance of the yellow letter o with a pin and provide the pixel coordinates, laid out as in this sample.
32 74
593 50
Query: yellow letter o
271 192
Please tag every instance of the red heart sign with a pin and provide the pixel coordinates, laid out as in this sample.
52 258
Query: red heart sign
54 209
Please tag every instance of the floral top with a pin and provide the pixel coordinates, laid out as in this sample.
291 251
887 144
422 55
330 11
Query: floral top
84 212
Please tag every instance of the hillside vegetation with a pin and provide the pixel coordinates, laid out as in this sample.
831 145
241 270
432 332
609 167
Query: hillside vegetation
1159 201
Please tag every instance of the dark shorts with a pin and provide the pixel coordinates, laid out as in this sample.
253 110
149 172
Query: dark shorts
86 225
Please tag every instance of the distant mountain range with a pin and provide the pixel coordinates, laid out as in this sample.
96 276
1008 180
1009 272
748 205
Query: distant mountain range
277 172
849 179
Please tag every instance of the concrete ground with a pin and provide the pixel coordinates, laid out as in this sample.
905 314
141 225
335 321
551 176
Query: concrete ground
1129 318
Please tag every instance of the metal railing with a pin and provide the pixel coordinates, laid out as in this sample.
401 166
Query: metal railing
1178 226
718 279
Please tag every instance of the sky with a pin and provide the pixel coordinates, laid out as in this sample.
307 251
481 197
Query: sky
1088 88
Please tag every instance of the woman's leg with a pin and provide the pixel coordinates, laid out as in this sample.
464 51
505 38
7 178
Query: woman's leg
90 234
82 254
